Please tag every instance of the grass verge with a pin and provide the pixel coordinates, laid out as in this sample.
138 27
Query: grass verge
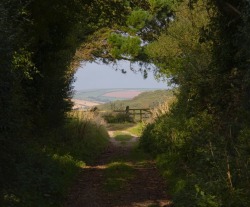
137 129
44 168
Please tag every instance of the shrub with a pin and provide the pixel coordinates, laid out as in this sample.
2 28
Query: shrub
117 117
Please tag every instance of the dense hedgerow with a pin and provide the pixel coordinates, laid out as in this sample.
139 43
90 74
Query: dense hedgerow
202 143
193 156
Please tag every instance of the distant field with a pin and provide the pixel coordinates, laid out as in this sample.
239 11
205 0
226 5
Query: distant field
108 95
123 94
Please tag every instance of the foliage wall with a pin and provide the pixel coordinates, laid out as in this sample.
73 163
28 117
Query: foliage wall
203 142
38 44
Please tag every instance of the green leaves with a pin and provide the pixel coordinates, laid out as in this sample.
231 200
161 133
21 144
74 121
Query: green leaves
203 138
177 50
157 5
124 47
23 65
138 19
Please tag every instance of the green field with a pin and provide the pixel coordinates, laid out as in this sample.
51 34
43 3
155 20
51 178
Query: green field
148 99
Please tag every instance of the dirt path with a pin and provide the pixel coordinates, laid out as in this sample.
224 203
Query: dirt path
135 181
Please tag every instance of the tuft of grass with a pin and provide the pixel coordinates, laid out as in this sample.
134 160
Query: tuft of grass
122 137
136 129
117 175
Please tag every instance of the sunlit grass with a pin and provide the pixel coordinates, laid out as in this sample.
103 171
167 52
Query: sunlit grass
133 128
84 136
137 129
122 137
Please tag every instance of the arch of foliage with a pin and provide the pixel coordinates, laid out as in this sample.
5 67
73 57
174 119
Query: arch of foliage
201 45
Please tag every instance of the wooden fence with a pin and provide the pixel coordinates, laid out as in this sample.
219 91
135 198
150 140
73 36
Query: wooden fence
136 112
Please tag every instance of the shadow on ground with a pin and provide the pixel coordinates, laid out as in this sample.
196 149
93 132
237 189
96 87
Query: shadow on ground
122 177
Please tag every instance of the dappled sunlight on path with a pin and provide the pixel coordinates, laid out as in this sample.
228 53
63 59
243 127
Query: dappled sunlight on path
122 177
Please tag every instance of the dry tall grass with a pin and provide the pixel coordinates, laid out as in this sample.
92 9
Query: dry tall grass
160 110
85 136
87 117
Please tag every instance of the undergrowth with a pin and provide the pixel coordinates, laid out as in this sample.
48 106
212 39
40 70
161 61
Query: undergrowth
117 117
45 167
200 167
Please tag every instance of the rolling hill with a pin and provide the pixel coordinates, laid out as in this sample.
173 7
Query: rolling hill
148 99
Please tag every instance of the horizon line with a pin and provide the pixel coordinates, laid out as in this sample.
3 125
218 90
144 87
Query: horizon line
122 88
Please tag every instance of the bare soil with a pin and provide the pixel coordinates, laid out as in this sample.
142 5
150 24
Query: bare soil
146 189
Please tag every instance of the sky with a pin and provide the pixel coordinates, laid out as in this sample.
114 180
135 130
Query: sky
100 76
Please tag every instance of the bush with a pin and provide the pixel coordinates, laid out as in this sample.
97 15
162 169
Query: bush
115 117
